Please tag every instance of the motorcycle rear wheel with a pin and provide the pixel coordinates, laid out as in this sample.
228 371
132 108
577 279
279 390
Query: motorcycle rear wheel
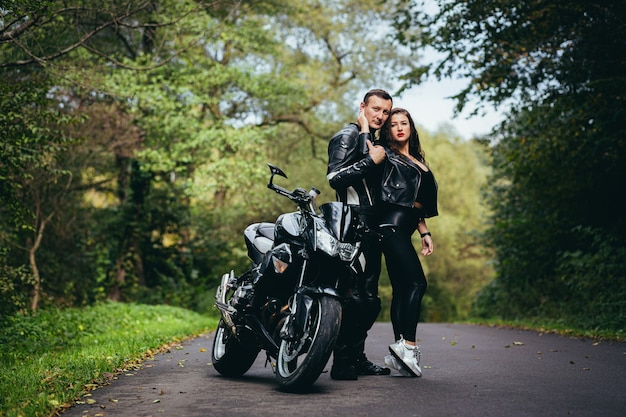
230 357
301 362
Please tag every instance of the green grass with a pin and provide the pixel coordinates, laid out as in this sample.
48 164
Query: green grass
51 359
545 325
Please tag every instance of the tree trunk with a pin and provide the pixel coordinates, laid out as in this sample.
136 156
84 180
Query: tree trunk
33 263
37 288
115 293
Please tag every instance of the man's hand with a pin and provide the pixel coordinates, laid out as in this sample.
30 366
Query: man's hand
377 152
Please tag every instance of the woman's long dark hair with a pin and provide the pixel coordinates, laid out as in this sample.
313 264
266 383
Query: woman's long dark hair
415 148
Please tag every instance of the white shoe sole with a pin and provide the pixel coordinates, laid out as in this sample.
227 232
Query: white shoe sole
392 362
404 365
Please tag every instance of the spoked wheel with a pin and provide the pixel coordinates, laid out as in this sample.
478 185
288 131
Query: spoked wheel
300 362
230 357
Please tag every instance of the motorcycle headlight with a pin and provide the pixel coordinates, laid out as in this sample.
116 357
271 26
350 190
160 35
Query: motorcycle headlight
328 244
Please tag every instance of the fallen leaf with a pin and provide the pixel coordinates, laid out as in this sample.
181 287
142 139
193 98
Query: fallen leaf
156 401
518 344
112 400
202 349
91 401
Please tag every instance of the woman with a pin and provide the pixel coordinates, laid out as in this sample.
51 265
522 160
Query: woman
408 197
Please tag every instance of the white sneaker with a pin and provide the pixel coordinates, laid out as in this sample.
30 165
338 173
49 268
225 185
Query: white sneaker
392 362
409 356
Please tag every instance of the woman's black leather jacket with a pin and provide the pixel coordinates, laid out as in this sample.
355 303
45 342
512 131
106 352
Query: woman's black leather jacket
401 182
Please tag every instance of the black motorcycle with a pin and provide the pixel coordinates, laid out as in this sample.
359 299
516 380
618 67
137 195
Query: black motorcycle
288 303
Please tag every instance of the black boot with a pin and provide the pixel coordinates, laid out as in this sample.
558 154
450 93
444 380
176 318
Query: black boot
365 367
343 365
343 372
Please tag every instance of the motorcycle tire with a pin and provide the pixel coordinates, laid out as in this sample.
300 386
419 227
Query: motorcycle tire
230 357
301 362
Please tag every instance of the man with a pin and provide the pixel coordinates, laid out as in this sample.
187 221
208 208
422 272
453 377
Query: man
354 171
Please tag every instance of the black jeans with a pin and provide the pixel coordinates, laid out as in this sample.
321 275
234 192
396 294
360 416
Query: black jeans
405 270
361 306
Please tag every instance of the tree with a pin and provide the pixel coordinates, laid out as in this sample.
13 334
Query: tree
63 45
33 184
559 157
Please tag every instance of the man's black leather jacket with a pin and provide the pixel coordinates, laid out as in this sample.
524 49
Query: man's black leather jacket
401 181
351 171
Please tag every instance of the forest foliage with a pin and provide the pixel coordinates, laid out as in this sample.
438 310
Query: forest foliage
136 133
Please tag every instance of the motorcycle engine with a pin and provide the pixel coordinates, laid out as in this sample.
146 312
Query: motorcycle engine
243 295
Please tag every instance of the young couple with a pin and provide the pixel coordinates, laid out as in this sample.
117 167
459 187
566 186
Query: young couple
389 184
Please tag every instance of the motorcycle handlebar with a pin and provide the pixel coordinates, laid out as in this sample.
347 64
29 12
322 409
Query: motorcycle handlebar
299 195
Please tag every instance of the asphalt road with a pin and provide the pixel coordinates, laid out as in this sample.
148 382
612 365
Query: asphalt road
468 371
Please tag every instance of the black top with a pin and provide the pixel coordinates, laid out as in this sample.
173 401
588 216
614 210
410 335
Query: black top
427 190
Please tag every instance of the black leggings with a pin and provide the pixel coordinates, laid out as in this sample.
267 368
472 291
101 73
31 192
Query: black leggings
405 269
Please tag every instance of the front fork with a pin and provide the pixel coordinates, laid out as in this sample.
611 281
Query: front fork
300 308
226 310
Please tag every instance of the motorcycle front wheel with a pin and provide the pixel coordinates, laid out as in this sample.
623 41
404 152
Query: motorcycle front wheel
230 357
300 362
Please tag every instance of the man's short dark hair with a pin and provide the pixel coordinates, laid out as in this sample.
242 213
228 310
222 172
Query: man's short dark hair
378 93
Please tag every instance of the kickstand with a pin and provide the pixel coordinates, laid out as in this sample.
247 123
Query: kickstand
268 359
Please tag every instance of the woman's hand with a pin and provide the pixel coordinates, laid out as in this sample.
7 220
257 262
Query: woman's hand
364 124
427 245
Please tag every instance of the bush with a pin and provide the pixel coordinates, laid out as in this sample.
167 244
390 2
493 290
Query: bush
589 287
594 281
14 284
